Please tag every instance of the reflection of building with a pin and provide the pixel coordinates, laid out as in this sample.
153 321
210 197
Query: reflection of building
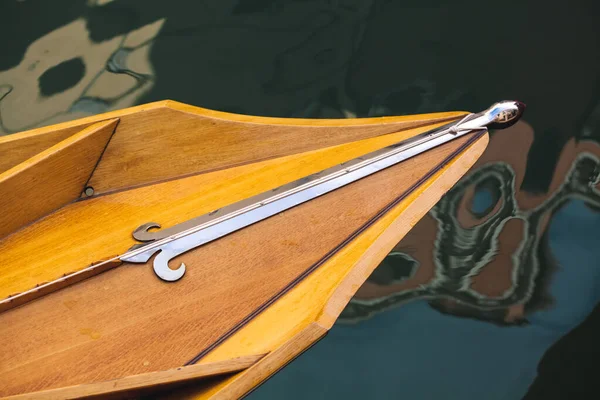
65 75
488 259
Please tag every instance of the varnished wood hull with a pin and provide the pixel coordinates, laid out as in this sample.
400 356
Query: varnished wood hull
271 289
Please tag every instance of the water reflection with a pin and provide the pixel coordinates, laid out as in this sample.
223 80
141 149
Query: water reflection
505 265
65 75
483 251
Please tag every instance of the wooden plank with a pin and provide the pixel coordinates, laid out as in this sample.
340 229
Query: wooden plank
367 257
44 288
165 140
52 178
322 296
14 149
83 233
126 321
39 139
151 380
247 380
179 140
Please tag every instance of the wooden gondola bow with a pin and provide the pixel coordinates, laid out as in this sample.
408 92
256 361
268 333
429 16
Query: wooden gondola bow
176 240
188 235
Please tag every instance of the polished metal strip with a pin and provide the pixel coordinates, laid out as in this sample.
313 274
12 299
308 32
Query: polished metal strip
289 189
201 230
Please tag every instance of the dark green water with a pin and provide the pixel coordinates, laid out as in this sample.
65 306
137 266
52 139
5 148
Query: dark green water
477 302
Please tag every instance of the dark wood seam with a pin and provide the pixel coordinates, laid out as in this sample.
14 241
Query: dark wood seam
333 251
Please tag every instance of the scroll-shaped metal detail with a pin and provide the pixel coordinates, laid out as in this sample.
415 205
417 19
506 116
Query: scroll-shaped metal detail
141 233
176 240
160 263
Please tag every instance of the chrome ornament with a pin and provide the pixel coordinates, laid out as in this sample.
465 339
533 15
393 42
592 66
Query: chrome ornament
178 239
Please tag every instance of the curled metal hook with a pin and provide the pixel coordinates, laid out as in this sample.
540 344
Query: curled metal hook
160 263
141 232
161 267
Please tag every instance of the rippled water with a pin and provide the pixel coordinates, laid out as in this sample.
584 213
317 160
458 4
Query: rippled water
468 304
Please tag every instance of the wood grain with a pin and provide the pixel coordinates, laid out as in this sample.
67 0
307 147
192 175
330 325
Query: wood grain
152 380
165 140
52 178
68 279
14 149
84 232
126 321
321 297
194 142
247 380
